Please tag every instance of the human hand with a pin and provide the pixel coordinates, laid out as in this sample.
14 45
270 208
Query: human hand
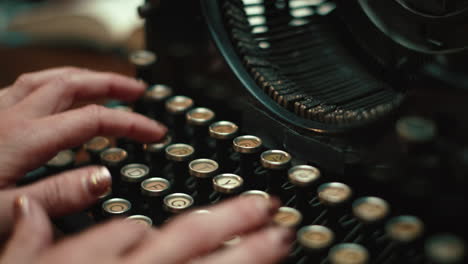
37 121
190 238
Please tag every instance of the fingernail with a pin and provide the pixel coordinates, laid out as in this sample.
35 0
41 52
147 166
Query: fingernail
21 207
99 181
281 236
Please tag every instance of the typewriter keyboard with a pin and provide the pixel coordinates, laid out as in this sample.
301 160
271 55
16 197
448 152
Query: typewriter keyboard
204 160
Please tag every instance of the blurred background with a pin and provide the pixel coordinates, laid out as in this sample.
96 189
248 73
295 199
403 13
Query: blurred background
95 34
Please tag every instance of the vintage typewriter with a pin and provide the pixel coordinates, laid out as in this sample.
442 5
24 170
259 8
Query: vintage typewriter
353 113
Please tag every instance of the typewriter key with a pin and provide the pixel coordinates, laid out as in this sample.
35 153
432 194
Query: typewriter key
315 240
370 212
154 101
124 108
141 219
304 178
249 148
180 155
62 161
227 185
200 116
348 253
445 249
144 61
334 193
404 229
416 133
177 106
179 152
287 217
177 202
132 175
153 190
223 132
95 146
198 120
203 171
276 162
116 207
403 233
370 209
114 159
155 155
315 237
256 193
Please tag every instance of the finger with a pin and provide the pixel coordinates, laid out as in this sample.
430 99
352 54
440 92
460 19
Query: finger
61 93
195 234
32 232
111 239
266 246
28 82
44 137
64 193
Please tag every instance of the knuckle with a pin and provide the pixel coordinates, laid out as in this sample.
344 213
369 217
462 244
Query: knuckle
24 79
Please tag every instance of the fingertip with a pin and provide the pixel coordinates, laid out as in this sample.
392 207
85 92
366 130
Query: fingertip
98 181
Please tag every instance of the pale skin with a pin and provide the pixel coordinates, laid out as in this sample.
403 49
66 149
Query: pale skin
37 121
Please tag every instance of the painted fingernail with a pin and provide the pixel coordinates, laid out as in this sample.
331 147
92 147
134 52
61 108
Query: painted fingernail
281 236
21 207
99 181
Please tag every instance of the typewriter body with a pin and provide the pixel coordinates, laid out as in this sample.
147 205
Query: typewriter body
368 96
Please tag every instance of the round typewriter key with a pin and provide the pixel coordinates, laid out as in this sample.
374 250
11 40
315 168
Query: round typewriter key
287 217
303 175
370 209
198 120
180 155
275 159
155 187
445 249
158 147
113 157
348 253
227 184
177 202
62 161
116 207
144 61
203 171
249 148
203 168
142 57
223 130
153 190
134 172
95 146
404 229
179 152
315 237
276 162
200 116
256 193
247 144
416 129
334 193
158 93
179 104
141 219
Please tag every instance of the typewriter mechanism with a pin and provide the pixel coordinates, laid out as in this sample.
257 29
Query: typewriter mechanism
353 113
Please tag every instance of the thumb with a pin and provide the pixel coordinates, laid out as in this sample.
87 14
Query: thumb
62 194
31 235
